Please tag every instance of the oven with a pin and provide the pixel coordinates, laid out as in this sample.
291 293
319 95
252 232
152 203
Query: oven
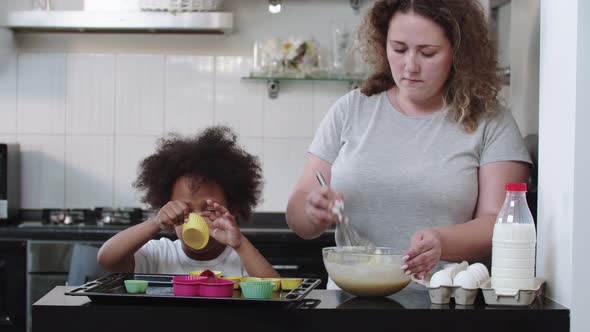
58 263
13 284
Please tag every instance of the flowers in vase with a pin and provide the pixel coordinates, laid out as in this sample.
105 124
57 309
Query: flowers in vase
299 55
293 56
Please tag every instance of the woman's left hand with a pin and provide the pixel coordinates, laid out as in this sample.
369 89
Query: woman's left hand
424 253
222 224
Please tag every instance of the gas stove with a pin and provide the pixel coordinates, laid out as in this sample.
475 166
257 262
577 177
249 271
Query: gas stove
98 216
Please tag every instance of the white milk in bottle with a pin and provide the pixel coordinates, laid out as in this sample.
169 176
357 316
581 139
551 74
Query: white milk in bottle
513 243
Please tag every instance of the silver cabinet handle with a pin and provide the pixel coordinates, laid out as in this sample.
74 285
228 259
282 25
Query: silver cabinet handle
286 267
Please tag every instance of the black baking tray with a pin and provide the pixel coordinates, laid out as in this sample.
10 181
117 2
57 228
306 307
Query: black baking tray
111 289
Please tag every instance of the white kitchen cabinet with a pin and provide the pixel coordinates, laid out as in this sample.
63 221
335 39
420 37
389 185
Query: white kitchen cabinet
124 21
6 40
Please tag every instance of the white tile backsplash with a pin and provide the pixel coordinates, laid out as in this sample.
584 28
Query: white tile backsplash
8 65
189 93
41 92
325 94
42 171
283 163
89 172
99 115
238 104
291 114
140 82
90 101
129 152
8 138
254 146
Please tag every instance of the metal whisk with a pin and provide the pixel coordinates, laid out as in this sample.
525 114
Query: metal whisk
345 234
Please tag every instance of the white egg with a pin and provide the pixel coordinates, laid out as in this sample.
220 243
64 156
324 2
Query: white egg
477 275
456 268
480 272
482 268
465 279
441 278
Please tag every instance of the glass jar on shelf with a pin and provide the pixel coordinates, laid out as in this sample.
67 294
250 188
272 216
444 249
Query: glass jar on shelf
341 39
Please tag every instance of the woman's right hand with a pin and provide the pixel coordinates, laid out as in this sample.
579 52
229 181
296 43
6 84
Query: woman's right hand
318 206
173 214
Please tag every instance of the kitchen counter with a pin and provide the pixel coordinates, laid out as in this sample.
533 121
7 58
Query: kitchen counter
336 310
51 255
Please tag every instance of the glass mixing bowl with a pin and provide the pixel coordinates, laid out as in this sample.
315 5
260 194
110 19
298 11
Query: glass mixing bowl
365 274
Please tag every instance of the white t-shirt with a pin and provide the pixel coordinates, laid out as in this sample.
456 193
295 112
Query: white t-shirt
164 256
402 173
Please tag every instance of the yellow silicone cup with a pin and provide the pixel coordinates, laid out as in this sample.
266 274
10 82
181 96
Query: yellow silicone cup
198 272
276 281
235 279
195 232
249 278
290 283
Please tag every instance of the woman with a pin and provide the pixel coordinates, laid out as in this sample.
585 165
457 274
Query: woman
421 153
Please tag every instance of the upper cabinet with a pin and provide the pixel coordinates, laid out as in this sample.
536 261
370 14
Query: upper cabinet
123 21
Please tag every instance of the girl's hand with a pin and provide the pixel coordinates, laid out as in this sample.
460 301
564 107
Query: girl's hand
424 253
222 224
318 206
173 214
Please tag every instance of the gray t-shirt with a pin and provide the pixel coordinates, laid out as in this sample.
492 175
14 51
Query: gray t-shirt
400 173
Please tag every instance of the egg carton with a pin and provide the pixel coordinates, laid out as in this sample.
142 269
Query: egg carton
512 297
443 294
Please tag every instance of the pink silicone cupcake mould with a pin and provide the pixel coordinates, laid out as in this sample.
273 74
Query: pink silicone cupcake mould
187 285
206 284
219 287
214 286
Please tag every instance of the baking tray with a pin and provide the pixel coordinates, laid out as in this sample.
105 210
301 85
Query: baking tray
111 289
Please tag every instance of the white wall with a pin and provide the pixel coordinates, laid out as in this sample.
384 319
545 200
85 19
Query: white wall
581 226
524 64
557 113
87 107
7 77
564 157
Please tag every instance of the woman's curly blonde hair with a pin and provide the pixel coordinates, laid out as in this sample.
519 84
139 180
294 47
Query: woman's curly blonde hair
473 83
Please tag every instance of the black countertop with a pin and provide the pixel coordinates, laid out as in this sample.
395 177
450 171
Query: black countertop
409 309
